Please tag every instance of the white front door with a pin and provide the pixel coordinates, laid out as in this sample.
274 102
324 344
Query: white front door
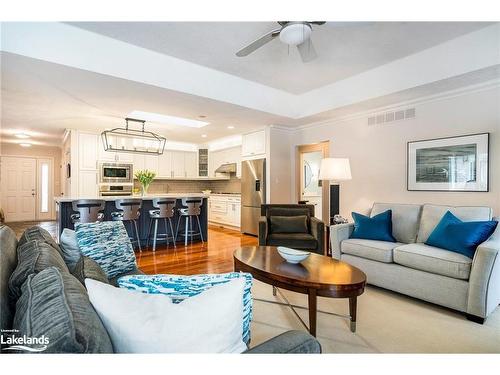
18 188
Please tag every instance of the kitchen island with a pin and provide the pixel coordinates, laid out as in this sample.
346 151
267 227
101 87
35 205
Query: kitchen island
64 211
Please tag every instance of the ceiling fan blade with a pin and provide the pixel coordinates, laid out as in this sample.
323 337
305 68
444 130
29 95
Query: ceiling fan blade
245 51
317 22
307 51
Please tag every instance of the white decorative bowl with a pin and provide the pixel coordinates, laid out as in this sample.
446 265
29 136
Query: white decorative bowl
292 255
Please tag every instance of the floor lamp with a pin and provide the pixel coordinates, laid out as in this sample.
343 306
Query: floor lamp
334 170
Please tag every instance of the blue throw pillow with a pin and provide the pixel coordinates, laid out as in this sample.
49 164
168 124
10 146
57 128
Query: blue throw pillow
459 236
377 228
178 288
108 244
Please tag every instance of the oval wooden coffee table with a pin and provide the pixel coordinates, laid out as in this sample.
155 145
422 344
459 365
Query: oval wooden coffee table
318 275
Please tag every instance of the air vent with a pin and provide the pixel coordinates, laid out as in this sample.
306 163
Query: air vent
392 116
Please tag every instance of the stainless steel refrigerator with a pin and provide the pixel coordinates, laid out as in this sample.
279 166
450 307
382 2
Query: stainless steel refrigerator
253 194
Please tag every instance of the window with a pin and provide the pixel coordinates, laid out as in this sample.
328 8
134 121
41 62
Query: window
44 191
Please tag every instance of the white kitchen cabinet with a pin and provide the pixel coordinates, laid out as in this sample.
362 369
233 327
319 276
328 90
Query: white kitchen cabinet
226 156
151 163
87 184
213 162
165 165
191 164
124 157
178 167
87 151
139 162
234 211
225 210
253 144
171 164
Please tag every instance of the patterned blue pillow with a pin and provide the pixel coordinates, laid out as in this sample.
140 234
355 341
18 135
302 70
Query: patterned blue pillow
178 288
108 244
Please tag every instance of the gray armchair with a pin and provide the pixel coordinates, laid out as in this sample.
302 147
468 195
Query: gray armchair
291 225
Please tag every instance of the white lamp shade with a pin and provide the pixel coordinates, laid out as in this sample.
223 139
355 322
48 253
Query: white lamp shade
335 169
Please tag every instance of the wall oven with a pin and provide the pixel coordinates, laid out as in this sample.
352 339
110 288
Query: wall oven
107 190
116 173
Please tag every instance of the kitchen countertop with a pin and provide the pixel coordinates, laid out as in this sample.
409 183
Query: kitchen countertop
146 197
226 194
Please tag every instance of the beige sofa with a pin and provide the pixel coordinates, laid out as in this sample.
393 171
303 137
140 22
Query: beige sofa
429 273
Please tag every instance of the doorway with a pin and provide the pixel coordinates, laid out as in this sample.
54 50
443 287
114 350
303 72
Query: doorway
26 188
308 186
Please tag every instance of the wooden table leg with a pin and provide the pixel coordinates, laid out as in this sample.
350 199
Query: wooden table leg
312 311
353 302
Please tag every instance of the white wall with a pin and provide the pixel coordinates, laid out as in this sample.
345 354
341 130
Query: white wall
378 152
280 163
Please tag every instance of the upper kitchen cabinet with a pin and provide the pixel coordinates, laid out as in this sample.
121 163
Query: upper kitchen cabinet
227 156
165 165
176 164
254 144
138 161
87 151
191 164
149 162
178 168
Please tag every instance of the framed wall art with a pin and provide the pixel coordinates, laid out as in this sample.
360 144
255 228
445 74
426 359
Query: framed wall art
449 164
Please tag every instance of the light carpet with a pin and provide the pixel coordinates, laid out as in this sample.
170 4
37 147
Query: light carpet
387 322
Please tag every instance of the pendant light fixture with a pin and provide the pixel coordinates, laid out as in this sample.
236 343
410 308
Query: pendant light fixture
133 140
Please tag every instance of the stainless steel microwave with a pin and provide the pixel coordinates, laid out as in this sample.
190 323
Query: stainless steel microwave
116 173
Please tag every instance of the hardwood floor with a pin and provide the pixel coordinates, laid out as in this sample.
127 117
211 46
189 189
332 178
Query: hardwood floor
213 256
20 226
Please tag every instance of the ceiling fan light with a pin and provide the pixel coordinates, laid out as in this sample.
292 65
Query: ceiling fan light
295 33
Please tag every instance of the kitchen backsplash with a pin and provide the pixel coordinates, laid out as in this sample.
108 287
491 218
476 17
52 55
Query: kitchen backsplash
233 185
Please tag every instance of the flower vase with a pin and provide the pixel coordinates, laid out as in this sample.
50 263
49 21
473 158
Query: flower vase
144 190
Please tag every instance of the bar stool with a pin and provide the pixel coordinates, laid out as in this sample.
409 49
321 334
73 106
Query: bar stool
89 210
191 208
130 210
164 209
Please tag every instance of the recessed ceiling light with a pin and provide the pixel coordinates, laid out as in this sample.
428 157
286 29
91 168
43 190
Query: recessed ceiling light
164 119
22 135
25 144
203 136
230 127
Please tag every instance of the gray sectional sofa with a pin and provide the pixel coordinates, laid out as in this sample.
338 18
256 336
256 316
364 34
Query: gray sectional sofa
41 296
429 273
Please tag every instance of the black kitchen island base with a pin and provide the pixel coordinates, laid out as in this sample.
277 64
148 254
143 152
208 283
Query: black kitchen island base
65 210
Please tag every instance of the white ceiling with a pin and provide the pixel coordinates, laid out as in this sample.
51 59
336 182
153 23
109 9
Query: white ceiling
54 79
43 99
344 49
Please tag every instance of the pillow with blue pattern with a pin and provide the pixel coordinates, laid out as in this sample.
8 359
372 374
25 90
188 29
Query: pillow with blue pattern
179 288
108 244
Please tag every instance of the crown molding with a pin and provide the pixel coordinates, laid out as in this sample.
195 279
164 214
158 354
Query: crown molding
445 95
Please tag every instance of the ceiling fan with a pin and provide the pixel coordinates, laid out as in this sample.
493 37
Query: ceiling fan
292 33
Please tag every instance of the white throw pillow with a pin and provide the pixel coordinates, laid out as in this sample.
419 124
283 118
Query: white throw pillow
210 322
